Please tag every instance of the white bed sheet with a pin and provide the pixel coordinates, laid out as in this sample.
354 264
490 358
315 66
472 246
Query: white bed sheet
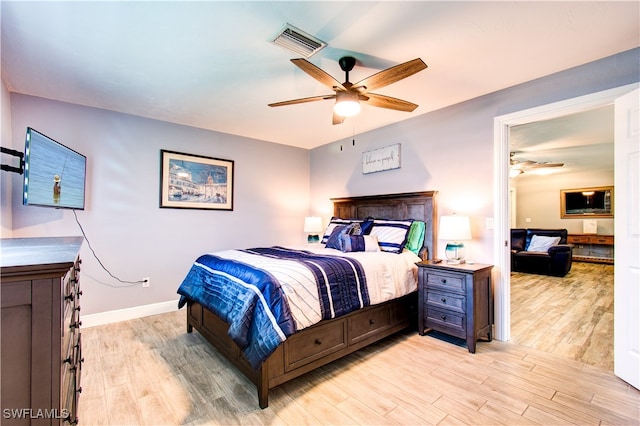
388 276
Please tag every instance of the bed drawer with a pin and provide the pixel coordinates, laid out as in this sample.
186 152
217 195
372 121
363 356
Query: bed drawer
304 349
366 323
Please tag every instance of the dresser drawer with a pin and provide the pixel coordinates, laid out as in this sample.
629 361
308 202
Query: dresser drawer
448 301
368 322
578 239
450 322
303 349
602 239
445 281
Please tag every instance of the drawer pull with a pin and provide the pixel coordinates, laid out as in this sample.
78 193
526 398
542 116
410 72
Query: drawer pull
75 324
318 342
443 300
67 360
78 309
443 317
443 280
69 297
371 322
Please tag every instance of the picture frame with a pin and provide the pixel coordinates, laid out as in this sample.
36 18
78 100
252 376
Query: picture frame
595 202
381 159
190 181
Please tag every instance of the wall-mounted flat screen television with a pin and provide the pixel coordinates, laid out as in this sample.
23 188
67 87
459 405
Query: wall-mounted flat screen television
54 175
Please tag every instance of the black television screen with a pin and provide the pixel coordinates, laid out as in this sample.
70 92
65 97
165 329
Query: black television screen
54 175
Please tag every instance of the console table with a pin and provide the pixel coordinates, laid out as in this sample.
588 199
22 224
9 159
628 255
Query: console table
592 247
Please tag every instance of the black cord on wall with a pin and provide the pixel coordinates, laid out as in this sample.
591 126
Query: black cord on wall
131 283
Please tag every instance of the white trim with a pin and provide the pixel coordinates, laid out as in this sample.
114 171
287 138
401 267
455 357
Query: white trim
501 233
93 320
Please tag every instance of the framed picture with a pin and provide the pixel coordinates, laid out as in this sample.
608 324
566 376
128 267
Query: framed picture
190 181
381 159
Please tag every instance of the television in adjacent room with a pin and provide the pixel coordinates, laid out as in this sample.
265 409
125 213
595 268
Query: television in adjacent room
54 175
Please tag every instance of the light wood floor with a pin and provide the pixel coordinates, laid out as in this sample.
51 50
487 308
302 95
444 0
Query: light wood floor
570 316
150 371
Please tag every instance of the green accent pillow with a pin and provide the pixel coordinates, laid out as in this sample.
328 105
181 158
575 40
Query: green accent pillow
416 237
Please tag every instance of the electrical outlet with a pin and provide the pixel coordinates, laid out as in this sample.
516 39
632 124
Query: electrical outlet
146 282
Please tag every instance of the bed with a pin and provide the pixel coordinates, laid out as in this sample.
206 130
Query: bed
332 337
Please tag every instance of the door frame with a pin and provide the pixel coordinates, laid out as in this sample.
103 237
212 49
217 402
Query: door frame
501 233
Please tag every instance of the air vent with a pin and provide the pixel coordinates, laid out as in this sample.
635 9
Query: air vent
298 41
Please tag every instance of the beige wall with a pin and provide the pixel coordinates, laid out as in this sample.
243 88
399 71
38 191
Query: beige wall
538 199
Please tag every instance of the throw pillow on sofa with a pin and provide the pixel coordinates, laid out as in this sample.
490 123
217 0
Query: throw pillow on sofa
542 244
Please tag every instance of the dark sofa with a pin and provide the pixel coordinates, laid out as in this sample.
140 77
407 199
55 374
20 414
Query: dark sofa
555 261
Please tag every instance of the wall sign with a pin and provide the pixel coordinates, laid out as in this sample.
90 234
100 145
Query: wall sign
381 159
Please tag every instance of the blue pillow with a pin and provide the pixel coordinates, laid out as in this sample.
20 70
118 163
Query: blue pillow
351 243
333 241
365 227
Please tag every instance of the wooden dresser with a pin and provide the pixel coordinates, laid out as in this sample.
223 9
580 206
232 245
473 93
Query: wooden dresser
456 300
41 350
592 247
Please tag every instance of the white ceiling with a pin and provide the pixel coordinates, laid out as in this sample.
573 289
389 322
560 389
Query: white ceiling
582 141
209 64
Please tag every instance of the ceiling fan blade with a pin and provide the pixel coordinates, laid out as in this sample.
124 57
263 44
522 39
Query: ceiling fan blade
543 165
391 75
318 74
388 102
303 100
337 119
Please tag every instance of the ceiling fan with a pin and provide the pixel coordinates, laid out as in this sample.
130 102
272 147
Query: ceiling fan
349 95
520 166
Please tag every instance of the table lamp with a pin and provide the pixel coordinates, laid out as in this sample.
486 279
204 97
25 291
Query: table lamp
454 229
313 226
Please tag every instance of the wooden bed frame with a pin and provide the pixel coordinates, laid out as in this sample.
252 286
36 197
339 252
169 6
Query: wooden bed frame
329 340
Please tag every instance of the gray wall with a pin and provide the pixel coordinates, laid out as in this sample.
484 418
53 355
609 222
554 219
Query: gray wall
132 236
451 150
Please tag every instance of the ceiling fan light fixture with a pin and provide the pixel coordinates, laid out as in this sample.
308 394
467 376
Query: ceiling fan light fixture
347 104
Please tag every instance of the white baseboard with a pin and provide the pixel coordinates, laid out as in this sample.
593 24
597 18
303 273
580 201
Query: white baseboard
109 317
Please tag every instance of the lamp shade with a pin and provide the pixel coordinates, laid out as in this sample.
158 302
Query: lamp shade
454 228
313 224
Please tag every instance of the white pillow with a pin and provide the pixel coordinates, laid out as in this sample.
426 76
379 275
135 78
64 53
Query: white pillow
540 243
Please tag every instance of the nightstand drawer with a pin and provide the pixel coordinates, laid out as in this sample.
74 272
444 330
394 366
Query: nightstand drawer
448 301
446 321
451 282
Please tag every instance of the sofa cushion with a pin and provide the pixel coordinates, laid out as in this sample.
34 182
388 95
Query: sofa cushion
542 244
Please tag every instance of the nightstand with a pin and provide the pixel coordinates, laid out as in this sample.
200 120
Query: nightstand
456 300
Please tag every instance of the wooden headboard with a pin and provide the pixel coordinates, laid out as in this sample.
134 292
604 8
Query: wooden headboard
410 205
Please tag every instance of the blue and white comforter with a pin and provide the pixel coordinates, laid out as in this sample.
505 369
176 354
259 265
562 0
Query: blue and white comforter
267 294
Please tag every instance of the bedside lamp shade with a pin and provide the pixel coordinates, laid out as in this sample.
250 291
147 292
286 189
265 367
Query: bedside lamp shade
313 227
454 229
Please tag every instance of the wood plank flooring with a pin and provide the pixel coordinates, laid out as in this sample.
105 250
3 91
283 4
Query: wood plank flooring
570 316
150 371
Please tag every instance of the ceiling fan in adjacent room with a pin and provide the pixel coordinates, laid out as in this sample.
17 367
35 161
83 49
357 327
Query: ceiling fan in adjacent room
518 167
349 95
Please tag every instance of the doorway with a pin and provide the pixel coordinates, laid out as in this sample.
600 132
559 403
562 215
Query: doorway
502 125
